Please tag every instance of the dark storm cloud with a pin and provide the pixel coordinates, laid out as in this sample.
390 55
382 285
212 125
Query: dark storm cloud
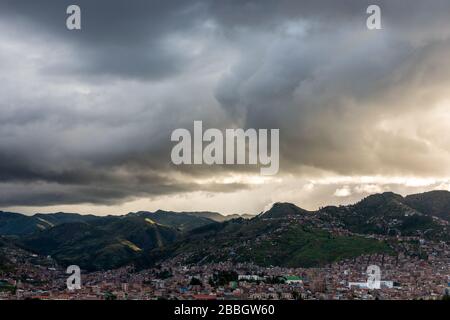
85 117
327 87
118 38
45 194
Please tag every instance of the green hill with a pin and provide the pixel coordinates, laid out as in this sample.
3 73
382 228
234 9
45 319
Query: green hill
100 245
266 240
306 247
433 203
387 214
285 235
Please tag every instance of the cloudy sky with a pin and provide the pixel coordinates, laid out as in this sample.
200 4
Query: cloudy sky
86 116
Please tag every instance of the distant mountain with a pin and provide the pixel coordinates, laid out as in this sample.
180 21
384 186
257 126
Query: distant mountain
15 224
220 218
63 217
281 210
284 235
387 213
433 203
184 221
238 216
98 242
101 244
18 225
287 235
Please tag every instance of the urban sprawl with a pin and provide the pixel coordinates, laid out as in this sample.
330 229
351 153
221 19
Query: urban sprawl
402 277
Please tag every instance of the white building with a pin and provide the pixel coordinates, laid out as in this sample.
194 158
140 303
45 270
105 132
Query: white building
364 285
251 277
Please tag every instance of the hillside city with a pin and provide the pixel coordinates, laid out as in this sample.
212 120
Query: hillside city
283 253
403 277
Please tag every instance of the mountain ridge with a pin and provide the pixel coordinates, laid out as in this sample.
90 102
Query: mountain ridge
284 235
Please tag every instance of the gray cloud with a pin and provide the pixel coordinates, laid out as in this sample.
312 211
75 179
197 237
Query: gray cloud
117 39
85 117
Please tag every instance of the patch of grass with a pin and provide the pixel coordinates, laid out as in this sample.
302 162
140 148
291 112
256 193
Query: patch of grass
304 247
